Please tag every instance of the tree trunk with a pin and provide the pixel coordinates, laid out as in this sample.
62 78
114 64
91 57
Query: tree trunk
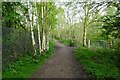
84 37
44 41
31 28
47 41
45 27
86 9
38 26
39 40
88 43
42 44
47 30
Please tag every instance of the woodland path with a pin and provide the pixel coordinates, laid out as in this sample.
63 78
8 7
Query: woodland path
62 64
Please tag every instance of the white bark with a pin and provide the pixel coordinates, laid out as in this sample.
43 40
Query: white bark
38 27
39 40
43 32
84 37
44 35
88 43
48 42
31 28
47 32
44 40
42 28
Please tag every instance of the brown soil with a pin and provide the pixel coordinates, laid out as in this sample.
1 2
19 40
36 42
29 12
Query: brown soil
62 64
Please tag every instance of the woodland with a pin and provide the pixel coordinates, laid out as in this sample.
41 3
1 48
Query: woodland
31 30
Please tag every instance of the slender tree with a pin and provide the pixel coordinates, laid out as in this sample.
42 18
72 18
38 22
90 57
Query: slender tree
38 24
31 17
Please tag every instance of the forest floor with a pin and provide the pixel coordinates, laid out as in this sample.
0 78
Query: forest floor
62 64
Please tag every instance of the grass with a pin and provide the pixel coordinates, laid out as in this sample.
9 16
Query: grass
24 67
0 74
64 41
101 64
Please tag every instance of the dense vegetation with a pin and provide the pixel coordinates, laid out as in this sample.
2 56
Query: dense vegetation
89 21
29 28
25 64
99 63
96 26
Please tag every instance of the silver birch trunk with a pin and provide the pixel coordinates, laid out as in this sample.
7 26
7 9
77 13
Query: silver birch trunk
47 32
38 27
44 35
42 46
44 40
31 28
88 43
84 37
48 42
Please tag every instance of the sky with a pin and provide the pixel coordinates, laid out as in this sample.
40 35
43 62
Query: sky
76 18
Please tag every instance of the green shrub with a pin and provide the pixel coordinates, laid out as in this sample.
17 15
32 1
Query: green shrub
25 65
67 42
101 64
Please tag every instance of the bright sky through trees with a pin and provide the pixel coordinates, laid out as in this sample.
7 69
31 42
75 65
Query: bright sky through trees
76 11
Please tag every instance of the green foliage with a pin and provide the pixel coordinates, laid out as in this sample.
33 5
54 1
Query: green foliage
18 41
11 14
15 42
101 64
52 12
25 65
64 41
111 23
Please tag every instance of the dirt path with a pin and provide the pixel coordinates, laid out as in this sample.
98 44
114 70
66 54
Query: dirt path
62 64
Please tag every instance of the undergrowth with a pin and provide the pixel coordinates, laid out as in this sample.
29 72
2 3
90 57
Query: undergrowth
66 42
101 64
24 67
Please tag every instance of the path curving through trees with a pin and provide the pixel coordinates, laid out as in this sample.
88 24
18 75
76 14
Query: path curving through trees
62 64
